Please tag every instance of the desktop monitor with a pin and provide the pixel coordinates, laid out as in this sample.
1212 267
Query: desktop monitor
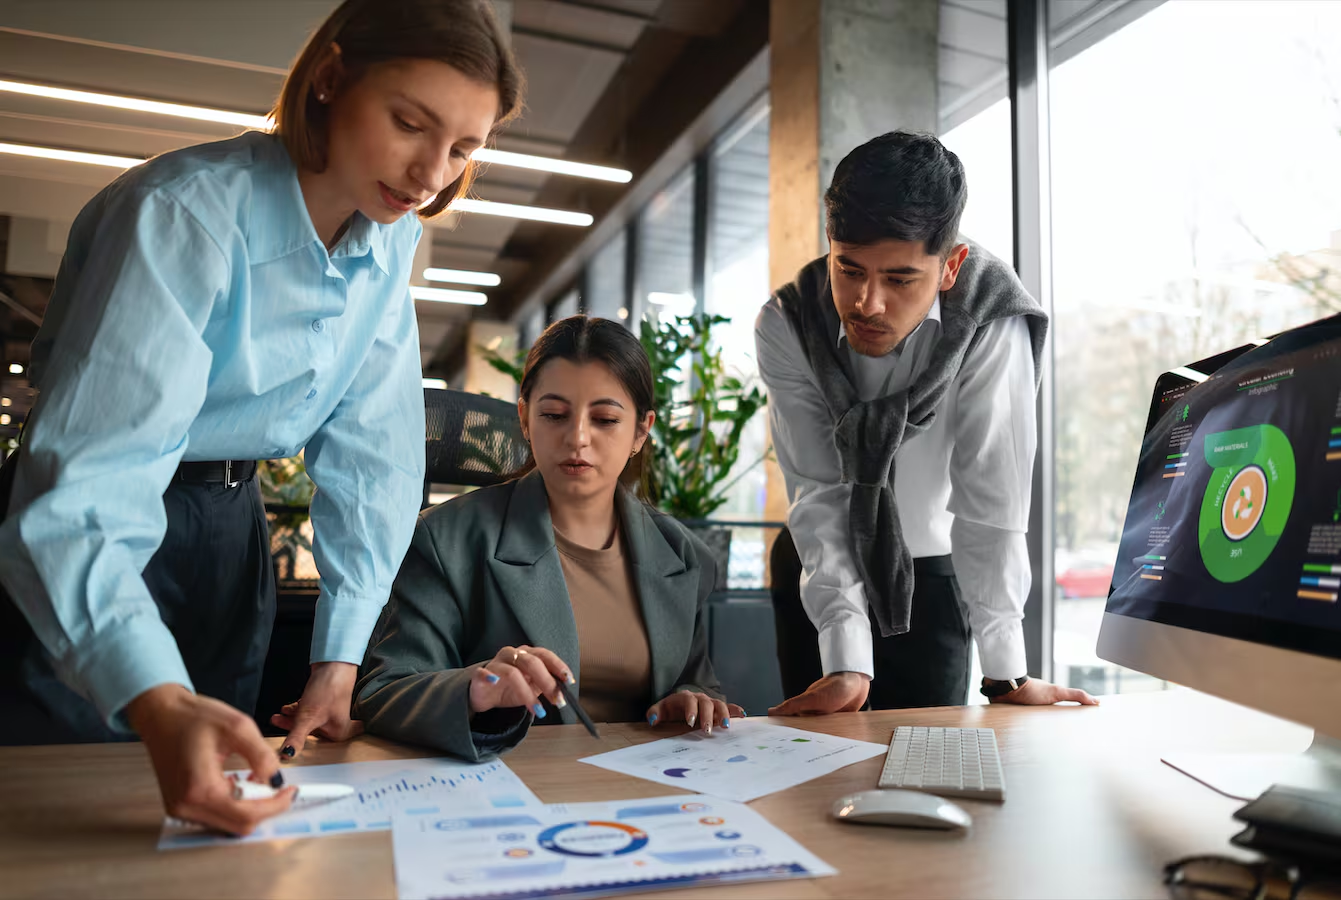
1229 570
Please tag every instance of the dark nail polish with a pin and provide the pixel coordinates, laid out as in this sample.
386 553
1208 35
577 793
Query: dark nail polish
287 752
277 780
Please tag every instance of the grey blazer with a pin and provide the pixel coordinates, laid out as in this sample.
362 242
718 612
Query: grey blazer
483 573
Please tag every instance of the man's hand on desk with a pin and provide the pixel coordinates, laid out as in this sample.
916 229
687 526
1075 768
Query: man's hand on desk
1036 692
323 710
188 737
839 692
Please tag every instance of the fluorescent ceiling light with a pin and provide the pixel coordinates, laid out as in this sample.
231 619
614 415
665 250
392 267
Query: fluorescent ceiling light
180 110
4 420
557 166
515 211
265 123
95 159
442 295
435 383
461 276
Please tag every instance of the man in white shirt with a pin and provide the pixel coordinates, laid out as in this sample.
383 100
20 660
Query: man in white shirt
901 371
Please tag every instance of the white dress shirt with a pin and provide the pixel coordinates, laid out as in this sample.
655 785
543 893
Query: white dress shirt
962 487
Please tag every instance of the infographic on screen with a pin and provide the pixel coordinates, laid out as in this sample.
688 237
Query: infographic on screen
1234 524
1247 501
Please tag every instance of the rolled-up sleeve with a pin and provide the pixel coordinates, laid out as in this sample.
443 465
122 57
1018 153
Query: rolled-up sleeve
117 398
367 461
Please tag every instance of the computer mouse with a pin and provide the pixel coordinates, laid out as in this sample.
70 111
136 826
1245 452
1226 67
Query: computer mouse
910 809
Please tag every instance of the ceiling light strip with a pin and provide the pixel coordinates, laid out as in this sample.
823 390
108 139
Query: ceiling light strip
265 123
180 110
443 295
514 211
547 164
93 159
461 276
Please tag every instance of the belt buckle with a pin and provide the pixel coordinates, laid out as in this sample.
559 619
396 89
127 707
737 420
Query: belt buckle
228 475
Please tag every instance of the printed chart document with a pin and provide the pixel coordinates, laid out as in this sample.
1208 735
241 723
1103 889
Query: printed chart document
425 786
746 761
591 849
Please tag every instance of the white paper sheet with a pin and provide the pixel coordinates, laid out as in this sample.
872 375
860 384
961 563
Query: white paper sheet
744 762
592 849
427 786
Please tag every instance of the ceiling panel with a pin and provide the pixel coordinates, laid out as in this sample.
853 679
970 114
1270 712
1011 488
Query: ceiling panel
583 24
564 81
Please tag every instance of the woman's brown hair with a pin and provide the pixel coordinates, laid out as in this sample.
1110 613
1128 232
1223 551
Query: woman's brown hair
464 34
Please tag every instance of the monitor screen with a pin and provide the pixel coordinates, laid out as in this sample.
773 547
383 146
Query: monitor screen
1234 526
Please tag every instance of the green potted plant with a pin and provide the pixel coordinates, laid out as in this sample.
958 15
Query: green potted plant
287 492
701 414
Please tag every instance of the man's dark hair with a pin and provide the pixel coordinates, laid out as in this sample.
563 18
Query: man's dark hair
901 186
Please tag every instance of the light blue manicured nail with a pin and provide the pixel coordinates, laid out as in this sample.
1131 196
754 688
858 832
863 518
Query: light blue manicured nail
726 723
492 678
539 711
652 719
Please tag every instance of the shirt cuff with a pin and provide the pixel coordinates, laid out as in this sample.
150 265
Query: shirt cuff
125 660
342 627
1001 652
845 646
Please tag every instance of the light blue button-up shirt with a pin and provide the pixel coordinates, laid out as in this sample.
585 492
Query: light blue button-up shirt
197 316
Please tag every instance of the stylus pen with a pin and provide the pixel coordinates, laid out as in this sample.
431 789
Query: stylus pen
577 708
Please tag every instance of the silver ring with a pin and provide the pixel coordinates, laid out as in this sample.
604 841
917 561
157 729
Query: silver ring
516 654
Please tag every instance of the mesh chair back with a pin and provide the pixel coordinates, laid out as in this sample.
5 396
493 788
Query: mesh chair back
472 440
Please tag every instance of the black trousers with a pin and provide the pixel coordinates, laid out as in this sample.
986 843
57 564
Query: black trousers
926 666
215 590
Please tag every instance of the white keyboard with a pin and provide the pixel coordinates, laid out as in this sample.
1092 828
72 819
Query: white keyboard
948 762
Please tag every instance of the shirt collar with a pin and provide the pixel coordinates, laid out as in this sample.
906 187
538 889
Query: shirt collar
279 223
933 315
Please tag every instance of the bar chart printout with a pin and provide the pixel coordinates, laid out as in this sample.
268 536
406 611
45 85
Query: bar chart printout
382 787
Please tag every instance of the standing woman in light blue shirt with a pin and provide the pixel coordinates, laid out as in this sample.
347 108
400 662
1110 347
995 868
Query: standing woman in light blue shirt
238 300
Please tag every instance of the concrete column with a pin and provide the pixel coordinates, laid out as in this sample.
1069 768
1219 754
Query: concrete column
841 72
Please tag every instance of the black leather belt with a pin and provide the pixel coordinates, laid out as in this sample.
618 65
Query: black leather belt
228 472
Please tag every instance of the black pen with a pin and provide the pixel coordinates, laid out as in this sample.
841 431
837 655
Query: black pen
577 708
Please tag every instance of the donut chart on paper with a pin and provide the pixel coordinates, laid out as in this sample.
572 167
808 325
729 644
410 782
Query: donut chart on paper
1247 500
592 839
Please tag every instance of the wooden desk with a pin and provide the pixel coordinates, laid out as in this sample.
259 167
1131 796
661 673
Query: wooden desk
1091 812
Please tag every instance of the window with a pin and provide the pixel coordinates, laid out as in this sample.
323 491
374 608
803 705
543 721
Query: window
1196 187
737 286
666 251
605 281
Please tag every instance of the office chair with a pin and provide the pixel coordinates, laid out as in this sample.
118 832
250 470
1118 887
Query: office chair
471 439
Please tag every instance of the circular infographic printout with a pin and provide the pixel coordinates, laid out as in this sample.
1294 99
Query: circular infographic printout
1247 501
593 839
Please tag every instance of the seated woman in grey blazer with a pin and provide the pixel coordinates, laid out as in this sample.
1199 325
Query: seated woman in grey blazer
561 573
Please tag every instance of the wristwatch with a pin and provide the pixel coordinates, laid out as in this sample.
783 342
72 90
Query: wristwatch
1000 688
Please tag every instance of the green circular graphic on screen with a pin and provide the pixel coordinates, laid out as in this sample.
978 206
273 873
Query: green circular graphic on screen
1247 501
